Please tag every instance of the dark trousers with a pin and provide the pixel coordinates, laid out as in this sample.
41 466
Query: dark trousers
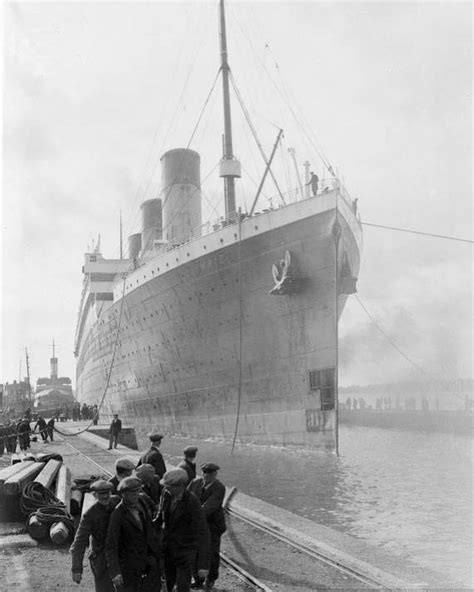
178 573
214 548
50 433
113 440
1 446
44 434
149 581
103 583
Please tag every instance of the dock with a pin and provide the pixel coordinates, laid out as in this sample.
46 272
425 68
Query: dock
265 547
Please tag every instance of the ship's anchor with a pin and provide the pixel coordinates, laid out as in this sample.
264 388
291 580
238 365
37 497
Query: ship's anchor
284 277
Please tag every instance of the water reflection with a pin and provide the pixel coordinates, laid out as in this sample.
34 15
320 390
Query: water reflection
404 491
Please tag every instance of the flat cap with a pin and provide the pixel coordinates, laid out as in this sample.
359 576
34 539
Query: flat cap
145 472
124 463
191 450
175 477
155 437
101 485
209 468
129 484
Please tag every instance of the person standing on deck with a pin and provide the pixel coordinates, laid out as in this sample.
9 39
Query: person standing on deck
314 180
210 492
189 462
153 456
114 431
93 526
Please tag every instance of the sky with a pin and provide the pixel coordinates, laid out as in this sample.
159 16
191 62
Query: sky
95 92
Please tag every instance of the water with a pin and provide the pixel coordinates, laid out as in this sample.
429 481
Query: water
408 492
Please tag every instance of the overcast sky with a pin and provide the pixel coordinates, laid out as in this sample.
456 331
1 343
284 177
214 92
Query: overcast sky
95 92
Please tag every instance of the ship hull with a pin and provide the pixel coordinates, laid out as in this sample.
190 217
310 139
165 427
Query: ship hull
204 349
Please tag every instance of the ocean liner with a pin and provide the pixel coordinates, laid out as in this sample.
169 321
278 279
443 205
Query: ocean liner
225 329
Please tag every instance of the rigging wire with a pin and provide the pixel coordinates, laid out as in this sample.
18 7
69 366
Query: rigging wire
204 107
395 346
112 362
453 238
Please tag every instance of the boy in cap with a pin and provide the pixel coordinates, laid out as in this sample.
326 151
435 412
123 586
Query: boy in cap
210 492
93 525
184 529
132 547
123 468
188 463
153 456
114 431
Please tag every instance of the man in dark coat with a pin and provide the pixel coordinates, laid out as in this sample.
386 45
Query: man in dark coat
23 429
211 492
93 525
153 456
2 438
41 425
114 431
50 428
132 547
189 462
150 483
123 468
185 531
11 436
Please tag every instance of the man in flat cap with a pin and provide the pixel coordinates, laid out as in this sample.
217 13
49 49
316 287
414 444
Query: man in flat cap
189 462
114 431
93 528
210 492
150 483
132 548
184 529
153 456
123 468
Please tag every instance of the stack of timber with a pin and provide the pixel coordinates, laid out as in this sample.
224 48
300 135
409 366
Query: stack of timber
40 490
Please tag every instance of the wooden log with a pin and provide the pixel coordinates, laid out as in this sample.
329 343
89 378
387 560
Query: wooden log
63 486
14 485
37 529
58 531
8 472
48 474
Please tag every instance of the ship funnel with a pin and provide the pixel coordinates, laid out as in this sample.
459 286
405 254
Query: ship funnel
181 194
134 245
151 222
54 367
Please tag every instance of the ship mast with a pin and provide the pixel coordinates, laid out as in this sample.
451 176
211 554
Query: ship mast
28 377
229 166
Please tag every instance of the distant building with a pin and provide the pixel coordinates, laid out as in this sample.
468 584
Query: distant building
16 397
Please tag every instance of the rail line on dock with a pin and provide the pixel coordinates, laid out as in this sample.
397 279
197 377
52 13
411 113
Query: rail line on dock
375 583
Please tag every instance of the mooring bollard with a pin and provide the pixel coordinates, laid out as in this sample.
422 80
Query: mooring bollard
59 532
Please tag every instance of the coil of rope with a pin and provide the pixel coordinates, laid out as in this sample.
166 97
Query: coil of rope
39 502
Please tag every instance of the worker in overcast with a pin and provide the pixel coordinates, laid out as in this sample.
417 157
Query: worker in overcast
93 527
210 492
189 462
153 456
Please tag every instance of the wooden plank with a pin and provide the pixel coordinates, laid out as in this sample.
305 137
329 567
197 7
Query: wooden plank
48 474
8 472
14 485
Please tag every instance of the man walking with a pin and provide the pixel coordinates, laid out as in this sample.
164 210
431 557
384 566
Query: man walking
210 492
185 532
153 456
132 547
114 431
41 425
93 525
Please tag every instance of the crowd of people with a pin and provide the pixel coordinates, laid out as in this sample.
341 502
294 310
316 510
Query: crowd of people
151 528
18 433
